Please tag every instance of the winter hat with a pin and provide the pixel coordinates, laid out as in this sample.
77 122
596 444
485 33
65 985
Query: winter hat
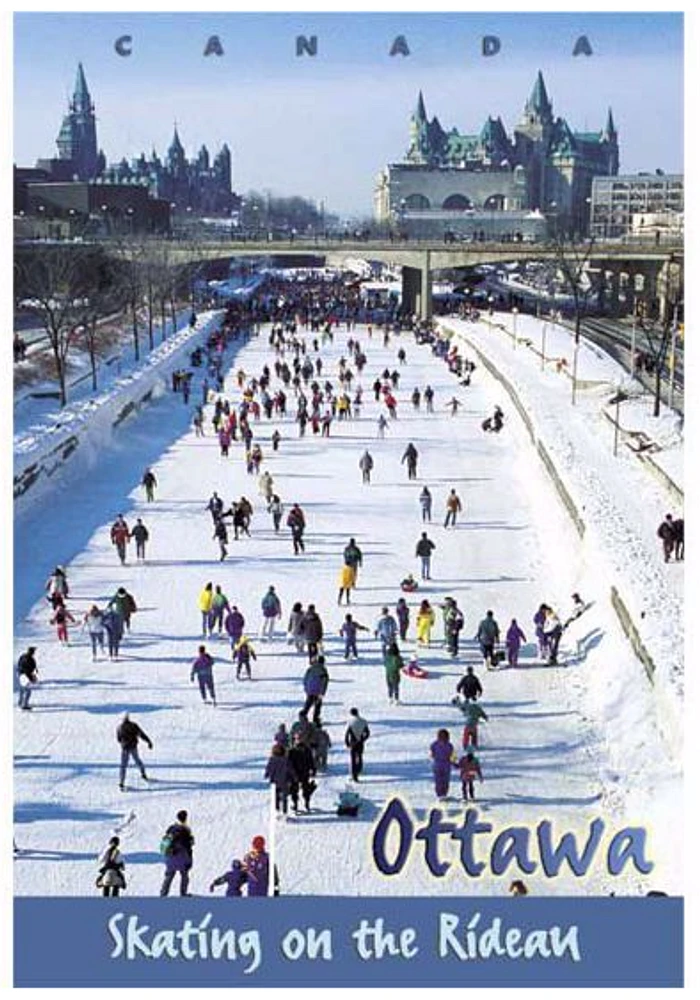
258 843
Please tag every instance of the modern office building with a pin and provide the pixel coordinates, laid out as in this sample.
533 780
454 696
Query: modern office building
637 204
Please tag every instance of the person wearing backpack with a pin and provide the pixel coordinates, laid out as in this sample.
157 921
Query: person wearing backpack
271 610
177 848
356 735
111 871
125 605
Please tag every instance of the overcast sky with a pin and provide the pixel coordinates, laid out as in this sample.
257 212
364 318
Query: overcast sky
323 126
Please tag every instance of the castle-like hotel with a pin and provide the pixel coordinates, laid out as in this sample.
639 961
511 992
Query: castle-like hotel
544 166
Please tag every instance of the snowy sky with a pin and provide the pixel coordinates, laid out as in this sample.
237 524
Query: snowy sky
324 126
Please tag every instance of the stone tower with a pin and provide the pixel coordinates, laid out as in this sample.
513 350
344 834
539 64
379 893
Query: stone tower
77 139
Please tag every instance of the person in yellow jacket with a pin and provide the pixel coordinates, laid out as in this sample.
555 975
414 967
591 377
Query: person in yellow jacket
425 619
206 599
346 582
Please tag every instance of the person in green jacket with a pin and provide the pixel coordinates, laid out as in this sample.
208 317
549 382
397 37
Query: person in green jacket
473 714
393 662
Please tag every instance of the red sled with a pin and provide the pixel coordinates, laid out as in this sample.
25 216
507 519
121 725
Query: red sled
413 670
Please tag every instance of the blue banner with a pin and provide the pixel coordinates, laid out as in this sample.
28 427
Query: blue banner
329 941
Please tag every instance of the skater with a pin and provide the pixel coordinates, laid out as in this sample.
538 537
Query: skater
94 623
453 406
429 396
443 755
322 744
257 866
366 464
514 636
426 504
542 640
410 457
128 735
312 630
425 619
177 847
140 535
469 770
470 686
454 623
234 623
219 605
57 587
393 662
280 773
295 630
382 425
61 618
415 398
316 681
473 715
667 535
266 486
149 483
234 879
120 536
356 735
578 606
403 616
302 761
114 627
276 508
27 677
348 631
243 653
352 557
453 506
488 635
125 605
202 669
552 629
679 539
110 876
297 522
385 630
346 581
424 549
206 599
271 610
215 507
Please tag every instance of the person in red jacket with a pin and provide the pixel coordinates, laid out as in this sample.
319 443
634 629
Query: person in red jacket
120 536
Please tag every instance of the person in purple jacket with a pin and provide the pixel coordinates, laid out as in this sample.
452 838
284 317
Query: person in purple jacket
202 669
257 866
514 636
234 624
403 616
443 755
234 879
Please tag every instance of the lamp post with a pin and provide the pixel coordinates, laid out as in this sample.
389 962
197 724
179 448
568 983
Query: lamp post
633 339
672 358
130 216
515 327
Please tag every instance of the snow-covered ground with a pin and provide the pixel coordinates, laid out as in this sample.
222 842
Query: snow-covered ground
567 744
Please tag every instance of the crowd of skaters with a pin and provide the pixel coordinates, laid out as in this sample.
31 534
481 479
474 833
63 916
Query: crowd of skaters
300 387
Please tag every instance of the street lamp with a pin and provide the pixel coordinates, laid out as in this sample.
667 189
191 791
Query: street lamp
515 326
130 216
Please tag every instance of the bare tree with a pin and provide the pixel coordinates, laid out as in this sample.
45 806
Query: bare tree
58 281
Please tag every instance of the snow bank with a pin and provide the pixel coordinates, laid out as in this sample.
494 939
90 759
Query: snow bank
86 425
